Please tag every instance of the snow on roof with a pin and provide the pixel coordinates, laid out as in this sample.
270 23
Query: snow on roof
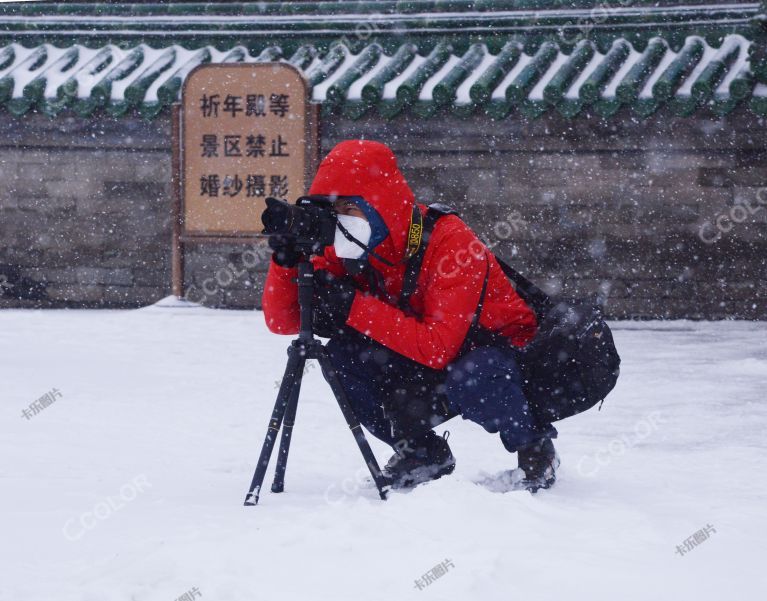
149 79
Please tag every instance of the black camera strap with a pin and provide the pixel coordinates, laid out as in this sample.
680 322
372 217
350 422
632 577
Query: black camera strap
415 233
536 298
410 279
414 238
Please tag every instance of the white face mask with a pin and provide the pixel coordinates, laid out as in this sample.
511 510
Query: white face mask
357 227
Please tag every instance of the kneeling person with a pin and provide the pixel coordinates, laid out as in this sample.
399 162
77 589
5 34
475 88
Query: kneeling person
412 355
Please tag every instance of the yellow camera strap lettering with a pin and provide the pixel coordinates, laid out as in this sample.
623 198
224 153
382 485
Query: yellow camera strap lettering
415 232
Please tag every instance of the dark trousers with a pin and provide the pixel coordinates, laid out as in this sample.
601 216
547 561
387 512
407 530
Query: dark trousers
398 399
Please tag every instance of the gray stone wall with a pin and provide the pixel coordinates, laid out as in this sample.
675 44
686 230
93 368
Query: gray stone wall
84 212
623 210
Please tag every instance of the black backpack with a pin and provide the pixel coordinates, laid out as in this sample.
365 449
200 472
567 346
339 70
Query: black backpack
570 365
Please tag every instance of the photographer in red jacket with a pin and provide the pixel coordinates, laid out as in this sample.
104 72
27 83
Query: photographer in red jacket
405 371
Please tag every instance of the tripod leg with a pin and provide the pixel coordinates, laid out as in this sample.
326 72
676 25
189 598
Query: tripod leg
290 381
278 484
367 453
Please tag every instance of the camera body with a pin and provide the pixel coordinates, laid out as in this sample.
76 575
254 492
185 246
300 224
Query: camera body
311 222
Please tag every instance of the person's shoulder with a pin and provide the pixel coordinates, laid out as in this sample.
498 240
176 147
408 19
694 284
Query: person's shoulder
452 235
450 226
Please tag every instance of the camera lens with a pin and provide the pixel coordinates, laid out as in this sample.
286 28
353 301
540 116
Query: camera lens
311 222
277 216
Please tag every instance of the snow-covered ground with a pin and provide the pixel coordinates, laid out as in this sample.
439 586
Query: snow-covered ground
129 486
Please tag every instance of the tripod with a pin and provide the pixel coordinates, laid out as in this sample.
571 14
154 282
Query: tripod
306 346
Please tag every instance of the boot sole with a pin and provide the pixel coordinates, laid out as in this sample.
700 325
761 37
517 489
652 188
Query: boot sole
547 481
421 476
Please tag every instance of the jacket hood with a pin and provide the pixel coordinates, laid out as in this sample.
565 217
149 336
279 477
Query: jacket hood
369 169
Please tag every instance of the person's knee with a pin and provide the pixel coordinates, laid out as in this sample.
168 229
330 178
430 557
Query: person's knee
334 349
478 365
343 350
482 382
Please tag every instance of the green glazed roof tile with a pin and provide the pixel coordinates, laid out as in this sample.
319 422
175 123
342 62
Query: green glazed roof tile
656 78
758 102
321 23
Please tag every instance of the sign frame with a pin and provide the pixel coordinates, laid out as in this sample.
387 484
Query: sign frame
179 233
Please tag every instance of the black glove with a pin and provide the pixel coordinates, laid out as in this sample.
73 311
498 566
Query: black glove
333 298
285 252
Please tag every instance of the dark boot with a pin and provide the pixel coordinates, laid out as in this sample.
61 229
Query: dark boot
539 461
422 459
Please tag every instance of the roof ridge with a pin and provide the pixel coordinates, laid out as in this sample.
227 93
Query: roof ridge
530 79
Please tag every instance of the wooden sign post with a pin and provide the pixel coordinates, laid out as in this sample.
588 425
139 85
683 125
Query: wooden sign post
242 132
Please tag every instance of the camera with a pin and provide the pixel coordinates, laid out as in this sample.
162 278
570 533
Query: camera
311 221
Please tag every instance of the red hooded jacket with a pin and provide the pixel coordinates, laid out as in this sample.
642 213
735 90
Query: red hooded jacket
449 283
